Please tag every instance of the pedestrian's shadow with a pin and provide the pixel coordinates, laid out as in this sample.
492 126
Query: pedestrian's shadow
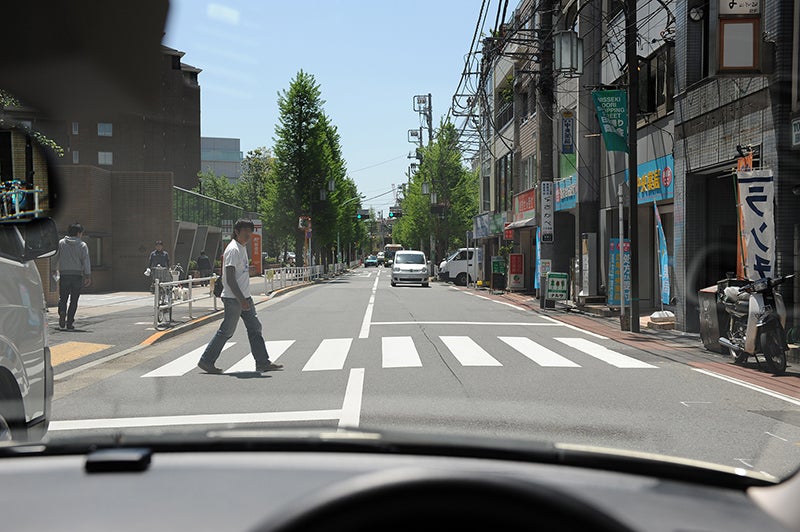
248 375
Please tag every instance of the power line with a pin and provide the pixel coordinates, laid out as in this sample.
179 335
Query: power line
377 164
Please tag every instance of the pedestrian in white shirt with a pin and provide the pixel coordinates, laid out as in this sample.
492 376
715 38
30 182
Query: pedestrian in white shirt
238 303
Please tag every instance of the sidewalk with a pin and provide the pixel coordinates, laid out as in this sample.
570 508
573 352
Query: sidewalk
673 345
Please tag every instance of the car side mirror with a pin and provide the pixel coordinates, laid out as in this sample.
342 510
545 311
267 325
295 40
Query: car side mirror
22 241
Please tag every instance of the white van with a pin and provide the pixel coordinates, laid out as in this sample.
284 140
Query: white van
26 373
460 266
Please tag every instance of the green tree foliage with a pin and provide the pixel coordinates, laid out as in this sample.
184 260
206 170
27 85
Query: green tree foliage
457 192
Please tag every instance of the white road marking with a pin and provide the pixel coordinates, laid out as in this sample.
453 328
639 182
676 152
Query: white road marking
753 387
275 348
468 352
331 354
775 436
745 462
483 297
526 324
351 405
365 323
687 403
195 419
574 328
538 353
183 364
399 352
603 353
508 304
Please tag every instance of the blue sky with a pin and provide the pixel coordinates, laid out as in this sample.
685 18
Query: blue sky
370 58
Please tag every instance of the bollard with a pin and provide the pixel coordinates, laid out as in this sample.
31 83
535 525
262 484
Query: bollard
190 298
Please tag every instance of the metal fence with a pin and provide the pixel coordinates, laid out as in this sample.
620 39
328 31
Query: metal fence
170 294
276 278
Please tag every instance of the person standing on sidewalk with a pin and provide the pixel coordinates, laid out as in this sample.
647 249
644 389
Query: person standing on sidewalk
74 272
204 265
238 303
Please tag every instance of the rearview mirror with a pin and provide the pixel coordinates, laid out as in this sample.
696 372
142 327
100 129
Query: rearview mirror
33 239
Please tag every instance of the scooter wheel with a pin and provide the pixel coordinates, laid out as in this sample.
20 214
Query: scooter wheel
774 355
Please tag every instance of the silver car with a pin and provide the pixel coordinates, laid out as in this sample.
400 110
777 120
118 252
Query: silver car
410 267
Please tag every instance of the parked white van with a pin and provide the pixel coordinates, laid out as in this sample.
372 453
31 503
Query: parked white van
26 373
460 266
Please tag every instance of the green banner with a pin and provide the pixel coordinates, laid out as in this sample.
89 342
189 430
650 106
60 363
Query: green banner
612 113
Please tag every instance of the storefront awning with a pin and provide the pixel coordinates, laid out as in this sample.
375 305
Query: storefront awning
527 222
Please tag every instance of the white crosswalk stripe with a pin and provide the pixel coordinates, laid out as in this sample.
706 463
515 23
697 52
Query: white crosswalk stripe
399 352
538 353
402 352
468 352
603 353
275 348
182 365
331 354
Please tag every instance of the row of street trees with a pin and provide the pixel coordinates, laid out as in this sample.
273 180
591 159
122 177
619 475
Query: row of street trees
455 189
304 174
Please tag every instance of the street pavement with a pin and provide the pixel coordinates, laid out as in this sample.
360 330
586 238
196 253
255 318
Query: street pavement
360 353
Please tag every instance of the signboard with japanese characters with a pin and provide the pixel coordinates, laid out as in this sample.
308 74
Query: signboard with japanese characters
655 180
612 109
516 271
739 7
547 211
566 192
757 222
567 131
619 272
796 132
557 286
525 205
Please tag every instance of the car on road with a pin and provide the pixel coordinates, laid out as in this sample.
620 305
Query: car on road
26 372
372 260
461 268
381 258
410 267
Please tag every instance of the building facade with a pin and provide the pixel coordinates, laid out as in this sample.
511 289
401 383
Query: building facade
222 156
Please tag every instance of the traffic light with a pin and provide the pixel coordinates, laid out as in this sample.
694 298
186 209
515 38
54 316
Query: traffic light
395 212
362 214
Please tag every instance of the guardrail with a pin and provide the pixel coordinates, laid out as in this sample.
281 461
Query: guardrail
276 278
166 297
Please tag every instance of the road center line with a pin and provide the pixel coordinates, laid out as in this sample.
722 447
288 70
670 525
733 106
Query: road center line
351 405
365 323
753 387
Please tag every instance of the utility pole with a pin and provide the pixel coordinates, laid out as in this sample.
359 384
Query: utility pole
544 90
430 119
632 59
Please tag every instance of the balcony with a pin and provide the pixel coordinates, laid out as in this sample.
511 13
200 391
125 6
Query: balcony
505 114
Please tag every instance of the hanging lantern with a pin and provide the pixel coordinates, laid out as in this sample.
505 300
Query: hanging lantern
568 53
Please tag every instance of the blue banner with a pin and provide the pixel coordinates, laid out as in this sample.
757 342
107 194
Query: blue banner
655 180
566 192
538 259
619 271
663 258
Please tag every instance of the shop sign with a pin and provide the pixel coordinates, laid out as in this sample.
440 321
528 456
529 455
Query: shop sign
756 203
739 7
655 181
567 132
619 272
525 205
566 192
557 285
547 211
480 225
516 271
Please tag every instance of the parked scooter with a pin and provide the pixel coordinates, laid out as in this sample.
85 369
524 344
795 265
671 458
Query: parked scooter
757 322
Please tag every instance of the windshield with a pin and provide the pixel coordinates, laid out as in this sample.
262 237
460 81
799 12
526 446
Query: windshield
409 258
221 196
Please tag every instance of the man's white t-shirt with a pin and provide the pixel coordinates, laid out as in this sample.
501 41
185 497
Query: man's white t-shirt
236 255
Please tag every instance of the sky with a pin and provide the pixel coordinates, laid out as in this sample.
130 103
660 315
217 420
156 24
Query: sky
369 57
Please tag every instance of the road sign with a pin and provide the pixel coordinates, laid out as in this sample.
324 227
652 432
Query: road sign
557 286
547 211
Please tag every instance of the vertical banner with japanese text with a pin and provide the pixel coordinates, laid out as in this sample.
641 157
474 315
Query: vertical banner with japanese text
619 272
756 206
663 258
612 113
538 258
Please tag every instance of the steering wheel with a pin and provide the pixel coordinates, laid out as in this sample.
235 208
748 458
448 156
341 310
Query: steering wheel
412 499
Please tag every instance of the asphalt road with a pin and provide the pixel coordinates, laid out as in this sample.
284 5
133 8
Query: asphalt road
358 352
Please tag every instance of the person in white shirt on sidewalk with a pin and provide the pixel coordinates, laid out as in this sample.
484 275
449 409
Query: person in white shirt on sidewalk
238 304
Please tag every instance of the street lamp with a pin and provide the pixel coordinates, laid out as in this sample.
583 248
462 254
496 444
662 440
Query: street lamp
425 188
568 53
331 185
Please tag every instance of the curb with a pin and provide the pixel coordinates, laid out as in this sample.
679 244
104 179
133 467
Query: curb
215 315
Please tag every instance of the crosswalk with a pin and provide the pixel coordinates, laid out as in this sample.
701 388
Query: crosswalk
331 354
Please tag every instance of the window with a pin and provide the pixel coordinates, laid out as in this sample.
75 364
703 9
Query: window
75 157
657 81
529 173
738 44
105 157
486 177
504 188
105 129
525 110
74 128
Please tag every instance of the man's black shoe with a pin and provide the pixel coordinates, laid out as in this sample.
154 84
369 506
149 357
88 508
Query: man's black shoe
62 322
272 366
70 327
209 368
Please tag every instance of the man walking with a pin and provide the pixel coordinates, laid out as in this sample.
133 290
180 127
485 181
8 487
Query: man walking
74 271
204 265
238 303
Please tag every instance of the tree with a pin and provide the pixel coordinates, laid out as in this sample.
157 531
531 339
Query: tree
456 189
299 154
215 186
